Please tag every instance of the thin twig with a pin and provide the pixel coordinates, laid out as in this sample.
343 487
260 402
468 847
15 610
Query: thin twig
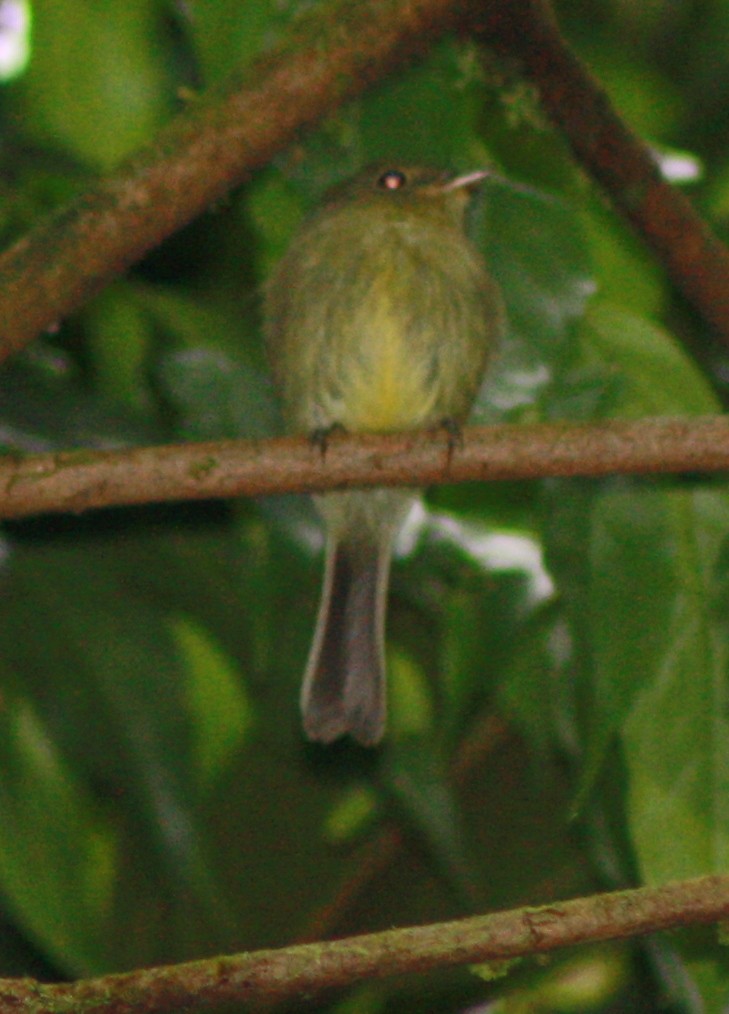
76 481
309 969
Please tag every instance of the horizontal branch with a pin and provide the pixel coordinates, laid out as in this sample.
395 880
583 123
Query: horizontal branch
308 969
75 481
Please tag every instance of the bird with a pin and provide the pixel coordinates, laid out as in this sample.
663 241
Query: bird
380 317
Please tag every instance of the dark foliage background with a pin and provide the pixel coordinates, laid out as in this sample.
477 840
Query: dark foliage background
558 650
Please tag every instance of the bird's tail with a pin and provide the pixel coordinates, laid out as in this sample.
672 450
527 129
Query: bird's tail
344 688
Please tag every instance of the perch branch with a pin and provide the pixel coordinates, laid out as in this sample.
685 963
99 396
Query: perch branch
307 970
75 481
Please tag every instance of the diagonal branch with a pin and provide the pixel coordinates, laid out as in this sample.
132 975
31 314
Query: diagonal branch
309 969
80 480
694 258
330 54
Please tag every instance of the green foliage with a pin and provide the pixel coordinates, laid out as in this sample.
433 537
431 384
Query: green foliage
95 84
553 646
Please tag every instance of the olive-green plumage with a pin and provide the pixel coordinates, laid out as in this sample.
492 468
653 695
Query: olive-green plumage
380 317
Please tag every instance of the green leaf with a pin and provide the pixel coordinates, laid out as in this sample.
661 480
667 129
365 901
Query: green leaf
537 250
116 704
120 335
539 254
96 85
447 84
416 776
675 732
616 545
220 711
215 388
628 275
45 406
58 854
527 689
657 375
276 209
226 36
698 965
215 397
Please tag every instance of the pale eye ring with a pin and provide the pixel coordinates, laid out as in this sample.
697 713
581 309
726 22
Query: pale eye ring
393 179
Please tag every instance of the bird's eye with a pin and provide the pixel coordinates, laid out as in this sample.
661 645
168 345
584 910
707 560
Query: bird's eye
393 179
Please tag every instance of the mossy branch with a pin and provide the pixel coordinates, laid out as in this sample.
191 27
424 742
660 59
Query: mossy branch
330 54
307 970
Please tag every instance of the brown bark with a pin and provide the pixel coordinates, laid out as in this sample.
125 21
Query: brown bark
306 970
76 481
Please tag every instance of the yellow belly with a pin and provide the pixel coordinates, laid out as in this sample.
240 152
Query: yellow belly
386 377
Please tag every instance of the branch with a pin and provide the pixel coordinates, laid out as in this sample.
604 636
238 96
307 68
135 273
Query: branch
329 55
308 969
76 481
696 261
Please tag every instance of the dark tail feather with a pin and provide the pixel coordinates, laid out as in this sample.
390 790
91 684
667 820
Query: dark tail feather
344 683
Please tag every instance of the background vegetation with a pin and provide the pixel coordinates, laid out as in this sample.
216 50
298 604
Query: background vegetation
557 649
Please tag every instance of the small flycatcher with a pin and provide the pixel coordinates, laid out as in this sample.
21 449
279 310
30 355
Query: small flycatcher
380 317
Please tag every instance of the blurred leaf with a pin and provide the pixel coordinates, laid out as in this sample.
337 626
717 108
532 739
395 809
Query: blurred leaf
580 984
697 966
537 251
116 701
120 334
648 100
653 557
212 394
677 758
276 209
391 121
45 406
96 84
179 315
657 375
616 544
367 999
416 775
528 687
482 580
627 273
215 397
410 705
226 36
353 813
221 714
57 853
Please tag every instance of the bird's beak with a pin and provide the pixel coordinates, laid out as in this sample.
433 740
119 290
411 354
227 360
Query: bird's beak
467 180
